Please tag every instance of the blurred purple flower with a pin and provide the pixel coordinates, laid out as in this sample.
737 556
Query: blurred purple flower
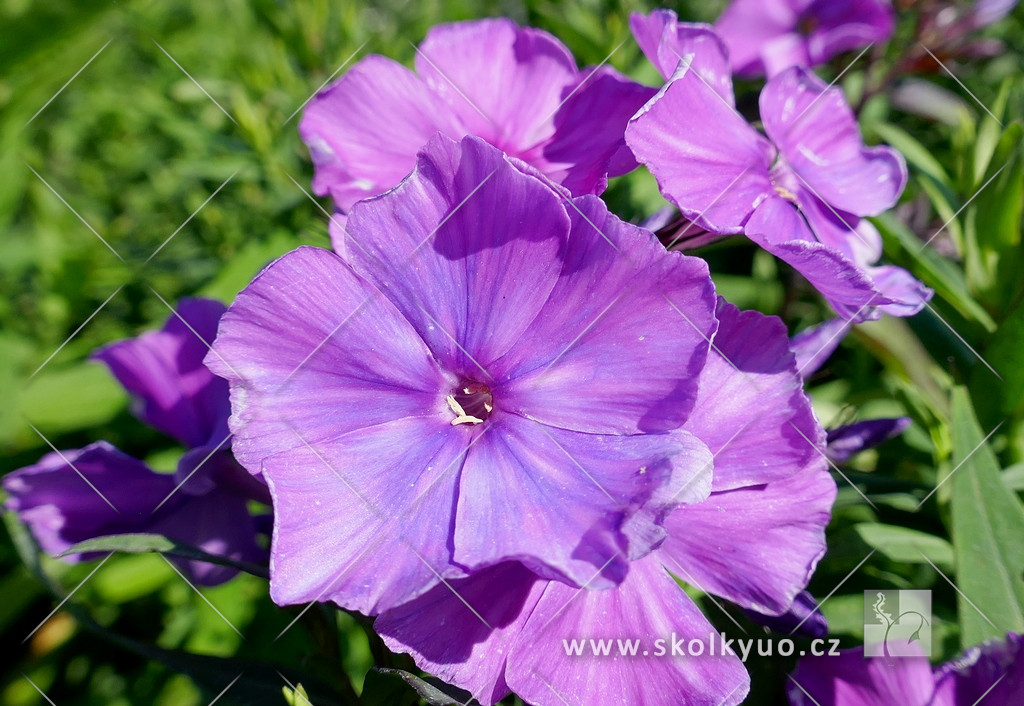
517 88
800 196
770 36
426 407
72 496
992 673
755 542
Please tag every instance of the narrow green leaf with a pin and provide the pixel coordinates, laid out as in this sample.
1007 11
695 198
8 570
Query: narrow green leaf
906 545
993 222
987 527
989 132
139 543
433 691
1003 352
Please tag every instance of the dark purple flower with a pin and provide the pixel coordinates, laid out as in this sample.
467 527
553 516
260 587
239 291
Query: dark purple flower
992 673
516 87
800 196
755 541
498 371
72 496
847 441
61 509
803 617
164 372
769 36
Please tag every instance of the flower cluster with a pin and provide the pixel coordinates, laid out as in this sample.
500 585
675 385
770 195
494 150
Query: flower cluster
496 416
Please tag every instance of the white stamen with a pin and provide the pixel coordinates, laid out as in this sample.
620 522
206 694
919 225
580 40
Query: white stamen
460 414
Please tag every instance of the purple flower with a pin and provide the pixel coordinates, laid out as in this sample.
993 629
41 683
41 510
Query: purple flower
804 616
992 673
496 371
800 195
72 496
847 441
769 36
505 628
517 88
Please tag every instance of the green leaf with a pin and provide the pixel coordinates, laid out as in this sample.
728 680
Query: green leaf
140 543
433 691
1003 353
987 527
993 222
989 132
905 545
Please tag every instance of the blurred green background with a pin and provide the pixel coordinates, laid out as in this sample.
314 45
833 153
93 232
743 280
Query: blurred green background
96 181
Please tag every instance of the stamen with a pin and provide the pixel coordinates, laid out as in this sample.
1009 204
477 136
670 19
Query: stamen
460 414
785 193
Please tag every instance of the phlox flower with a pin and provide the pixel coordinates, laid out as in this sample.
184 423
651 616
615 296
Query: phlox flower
769 36
992 673
74 495
496 371
801 193
518 88
755 541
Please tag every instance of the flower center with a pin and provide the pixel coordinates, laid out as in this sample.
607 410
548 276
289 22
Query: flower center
472 403
784 181
807 25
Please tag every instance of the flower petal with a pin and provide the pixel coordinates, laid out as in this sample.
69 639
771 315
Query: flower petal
588 144
621 338
846 441
848 25
648 607
462 631
666 41
364 519
163 370
310 346
707 159
813 346
455 246
364 130
851 678
505 82
777 227
751 409
570 494
219 523
746 26
751 545
72 496
817 134
906 294
992 672
803 616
